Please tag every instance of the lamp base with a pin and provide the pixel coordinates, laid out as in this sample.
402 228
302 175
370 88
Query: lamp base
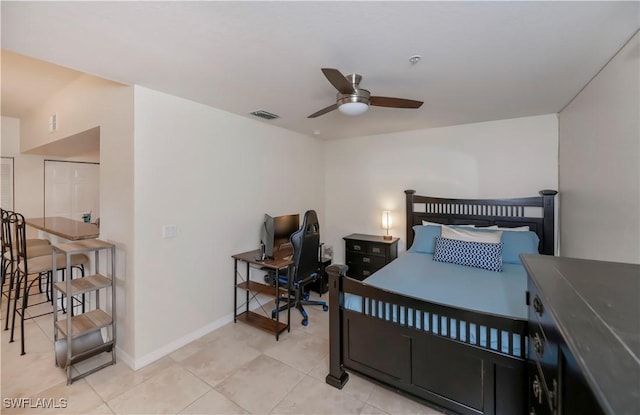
387 237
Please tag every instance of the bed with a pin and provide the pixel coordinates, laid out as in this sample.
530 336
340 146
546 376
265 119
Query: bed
463 353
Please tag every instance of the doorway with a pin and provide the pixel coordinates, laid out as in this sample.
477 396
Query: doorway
71 189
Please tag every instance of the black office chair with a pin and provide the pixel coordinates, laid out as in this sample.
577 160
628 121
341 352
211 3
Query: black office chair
306 267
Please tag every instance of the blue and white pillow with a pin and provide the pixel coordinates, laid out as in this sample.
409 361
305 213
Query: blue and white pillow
483 255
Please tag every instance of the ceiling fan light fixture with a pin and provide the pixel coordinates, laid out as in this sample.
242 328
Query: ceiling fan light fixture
354 104
353 108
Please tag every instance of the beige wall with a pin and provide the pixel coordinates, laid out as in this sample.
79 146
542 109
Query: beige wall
214 175
366 175
599 161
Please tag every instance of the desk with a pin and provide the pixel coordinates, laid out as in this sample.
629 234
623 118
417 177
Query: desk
70 229
253 288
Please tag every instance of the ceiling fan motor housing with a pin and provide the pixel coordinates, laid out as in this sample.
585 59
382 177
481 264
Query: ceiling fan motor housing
360 95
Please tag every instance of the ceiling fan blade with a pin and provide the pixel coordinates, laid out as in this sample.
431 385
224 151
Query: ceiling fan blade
394 102
338 80
323 111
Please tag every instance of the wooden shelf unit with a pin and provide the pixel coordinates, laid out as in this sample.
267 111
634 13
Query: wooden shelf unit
100 318
83 285
84 323
261 288
253 288
262 322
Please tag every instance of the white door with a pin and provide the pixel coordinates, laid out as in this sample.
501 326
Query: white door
72 189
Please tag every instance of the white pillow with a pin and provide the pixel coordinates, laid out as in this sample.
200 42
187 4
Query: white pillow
459 234
516 229
425 223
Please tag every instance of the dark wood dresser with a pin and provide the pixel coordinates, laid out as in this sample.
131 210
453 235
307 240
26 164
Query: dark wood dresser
584 336
365 254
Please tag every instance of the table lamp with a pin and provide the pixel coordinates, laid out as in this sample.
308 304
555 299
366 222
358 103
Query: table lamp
386 224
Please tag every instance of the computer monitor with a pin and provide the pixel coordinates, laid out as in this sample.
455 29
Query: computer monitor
276 231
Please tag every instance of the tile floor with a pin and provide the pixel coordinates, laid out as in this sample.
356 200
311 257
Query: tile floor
236 369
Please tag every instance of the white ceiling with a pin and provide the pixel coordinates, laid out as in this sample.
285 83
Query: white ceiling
481 61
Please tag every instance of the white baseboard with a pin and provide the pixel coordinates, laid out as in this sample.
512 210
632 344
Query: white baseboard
163 351
178 343
124 357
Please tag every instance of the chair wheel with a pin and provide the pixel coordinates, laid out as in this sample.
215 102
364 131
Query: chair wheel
305 322
325 308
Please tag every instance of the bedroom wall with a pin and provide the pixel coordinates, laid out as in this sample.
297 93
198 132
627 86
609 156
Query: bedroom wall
214 175
366 175
600 164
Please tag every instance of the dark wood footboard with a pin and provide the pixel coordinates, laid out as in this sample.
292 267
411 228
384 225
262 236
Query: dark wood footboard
443 370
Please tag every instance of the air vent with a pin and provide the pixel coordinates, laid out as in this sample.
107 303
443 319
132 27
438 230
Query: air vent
264 114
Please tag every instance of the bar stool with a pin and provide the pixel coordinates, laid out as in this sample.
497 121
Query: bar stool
42 265
36 247
8 251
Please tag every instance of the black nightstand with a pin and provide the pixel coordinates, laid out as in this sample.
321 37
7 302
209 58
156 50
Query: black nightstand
365 254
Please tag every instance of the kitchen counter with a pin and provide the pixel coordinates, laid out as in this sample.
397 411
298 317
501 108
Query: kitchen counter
70 229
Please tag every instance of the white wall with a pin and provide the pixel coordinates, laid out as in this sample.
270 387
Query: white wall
214 175
599 164
366 175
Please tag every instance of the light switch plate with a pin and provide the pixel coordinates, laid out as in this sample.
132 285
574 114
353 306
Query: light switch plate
169 231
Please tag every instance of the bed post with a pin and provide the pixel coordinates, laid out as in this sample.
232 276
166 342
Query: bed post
409 217
337 376
549 234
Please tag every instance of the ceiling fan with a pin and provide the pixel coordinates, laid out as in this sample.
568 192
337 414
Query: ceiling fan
353 100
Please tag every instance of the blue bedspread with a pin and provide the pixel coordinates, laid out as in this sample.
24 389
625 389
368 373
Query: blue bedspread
417 275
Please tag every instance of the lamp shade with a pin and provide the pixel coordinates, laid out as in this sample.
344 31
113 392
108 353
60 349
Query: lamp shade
386 219
353 108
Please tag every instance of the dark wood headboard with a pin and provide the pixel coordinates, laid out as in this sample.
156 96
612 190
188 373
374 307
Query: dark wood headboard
536 212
